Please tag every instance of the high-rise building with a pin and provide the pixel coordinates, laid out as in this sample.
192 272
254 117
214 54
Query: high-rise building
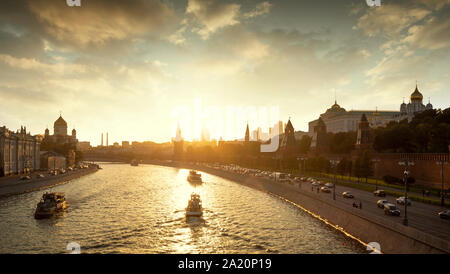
247 134
178 143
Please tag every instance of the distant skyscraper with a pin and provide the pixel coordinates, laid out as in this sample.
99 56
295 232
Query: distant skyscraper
178 143
247 134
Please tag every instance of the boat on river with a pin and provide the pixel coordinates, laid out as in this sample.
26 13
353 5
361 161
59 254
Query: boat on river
194 208
194 177
50 204
134 162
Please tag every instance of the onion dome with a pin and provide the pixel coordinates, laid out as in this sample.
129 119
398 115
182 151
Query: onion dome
60 122
416 95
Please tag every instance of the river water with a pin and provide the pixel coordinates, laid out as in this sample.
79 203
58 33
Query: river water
125 209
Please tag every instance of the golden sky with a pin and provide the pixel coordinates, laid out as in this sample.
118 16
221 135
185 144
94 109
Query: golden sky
123 67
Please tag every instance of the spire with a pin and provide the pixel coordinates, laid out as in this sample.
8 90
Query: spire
247 134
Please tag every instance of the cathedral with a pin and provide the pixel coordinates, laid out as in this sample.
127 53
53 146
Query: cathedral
60 135
415 105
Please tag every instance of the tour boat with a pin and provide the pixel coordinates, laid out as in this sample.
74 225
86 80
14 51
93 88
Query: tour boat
134 162
194 208
50 204
194 177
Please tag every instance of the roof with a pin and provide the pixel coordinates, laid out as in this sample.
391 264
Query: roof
60 122
416 95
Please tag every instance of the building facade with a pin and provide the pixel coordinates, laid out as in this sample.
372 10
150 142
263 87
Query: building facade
337 119
19 152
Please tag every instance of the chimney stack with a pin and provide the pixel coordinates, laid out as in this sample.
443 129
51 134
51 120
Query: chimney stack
102 139
106 138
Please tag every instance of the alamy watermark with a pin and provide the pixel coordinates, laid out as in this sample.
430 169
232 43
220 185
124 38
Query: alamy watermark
74 248
372 3
73 3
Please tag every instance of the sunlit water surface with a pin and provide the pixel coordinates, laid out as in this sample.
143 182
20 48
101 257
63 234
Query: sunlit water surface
125 209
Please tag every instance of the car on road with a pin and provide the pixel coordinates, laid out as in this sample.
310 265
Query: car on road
325 189
40 176
329 185
444 214
401 200
316 184
381 203
379 193
391 209
25 177
347 194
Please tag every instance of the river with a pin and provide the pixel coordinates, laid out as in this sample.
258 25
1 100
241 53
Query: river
126 209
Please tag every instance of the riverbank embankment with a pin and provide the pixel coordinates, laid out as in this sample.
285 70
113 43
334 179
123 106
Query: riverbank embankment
13 185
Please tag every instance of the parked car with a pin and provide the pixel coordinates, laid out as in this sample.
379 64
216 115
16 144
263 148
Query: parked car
347 194
25 177
444 214
40 176
381 203
391 209
401 201
316 184
329 185
325 189
379 193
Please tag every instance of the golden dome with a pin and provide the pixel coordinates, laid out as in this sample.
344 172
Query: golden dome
335 106
416 95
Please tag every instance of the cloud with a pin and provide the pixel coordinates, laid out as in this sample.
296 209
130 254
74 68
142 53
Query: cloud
260 9
435 34
213 15
97 22
435 4
33 64
389 20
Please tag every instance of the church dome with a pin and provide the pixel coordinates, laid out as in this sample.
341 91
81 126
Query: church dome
60 122
416 95
335 106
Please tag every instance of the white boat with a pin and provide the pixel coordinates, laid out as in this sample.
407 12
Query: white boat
194 177
194 208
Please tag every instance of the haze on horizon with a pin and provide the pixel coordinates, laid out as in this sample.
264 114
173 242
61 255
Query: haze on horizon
123 67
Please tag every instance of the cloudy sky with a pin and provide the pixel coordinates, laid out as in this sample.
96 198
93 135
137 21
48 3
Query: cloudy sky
123 67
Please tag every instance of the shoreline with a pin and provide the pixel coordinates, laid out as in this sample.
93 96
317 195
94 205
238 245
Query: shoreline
35 184
359 225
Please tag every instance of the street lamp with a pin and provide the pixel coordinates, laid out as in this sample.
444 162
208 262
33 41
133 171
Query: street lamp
304 163
406 163
376 161
442 162
334 166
